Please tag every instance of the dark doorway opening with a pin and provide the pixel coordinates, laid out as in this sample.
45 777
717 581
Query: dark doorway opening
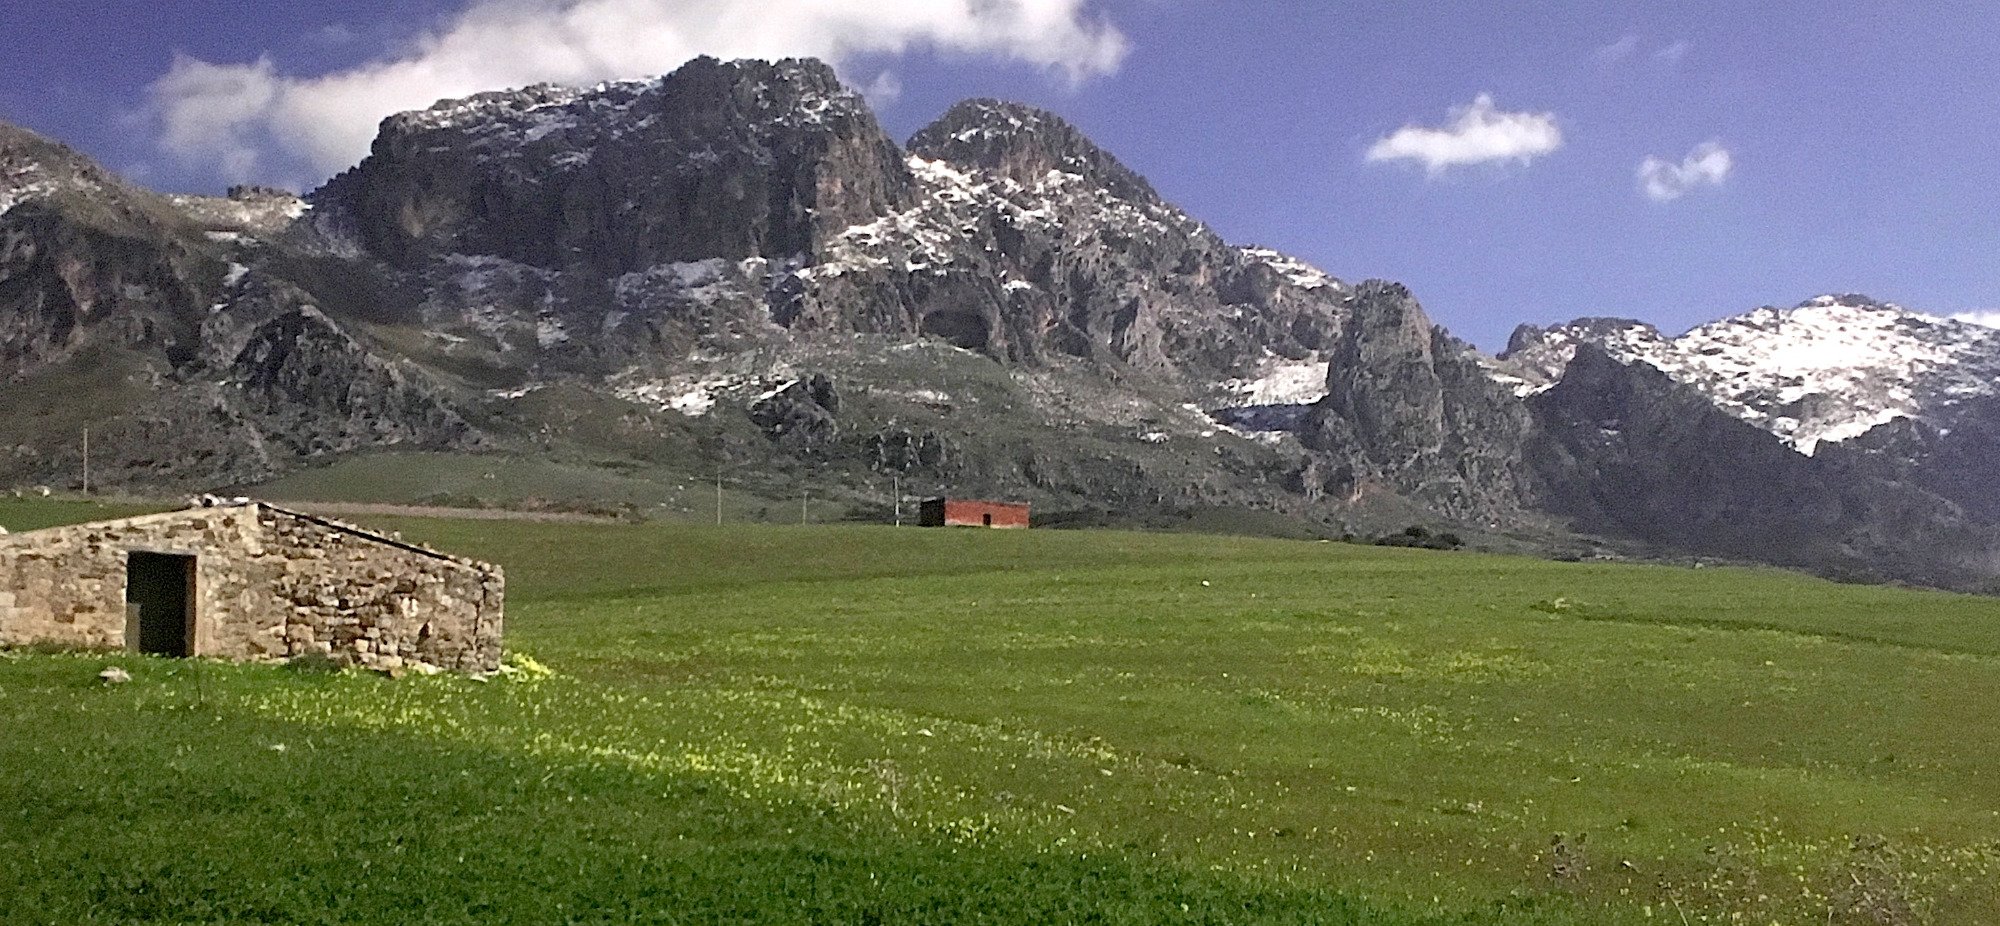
989 520
159 594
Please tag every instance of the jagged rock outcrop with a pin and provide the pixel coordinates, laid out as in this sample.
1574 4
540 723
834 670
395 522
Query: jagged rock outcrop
315 390
1409 407
900 450
732 203
141 317
803 416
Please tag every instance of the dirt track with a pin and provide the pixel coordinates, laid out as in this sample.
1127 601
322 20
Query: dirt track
369 509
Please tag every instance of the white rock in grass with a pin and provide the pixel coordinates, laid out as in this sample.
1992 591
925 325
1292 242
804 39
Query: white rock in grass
115 676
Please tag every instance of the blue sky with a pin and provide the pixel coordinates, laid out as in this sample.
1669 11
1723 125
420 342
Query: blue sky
1859 140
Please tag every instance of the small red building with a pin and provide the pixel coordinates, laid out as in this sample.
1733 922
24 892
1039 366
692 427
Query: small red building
960 512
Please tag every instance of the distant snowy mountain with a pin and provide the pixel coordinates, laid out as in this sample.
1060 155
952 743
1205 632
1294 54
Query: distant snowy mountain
1828 370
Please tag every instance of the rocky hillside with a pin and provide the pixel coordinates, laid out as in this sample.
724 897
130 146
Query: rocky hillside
141 318
1865 384
733 268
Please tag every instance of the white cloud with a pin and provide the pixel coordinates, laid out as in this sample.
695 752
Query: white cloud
884 90
251 122
1990 318
1477 134
1619 50
1707 165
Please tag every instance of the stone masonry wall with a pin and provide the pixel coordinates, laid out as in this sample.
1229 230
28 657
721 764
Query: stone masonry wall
270 585
354 597
66 585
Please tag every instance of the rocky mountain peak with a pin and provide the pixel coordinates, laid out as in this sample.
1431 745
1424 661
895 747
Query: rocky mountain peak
731 160
1411 408
1828 370
1024 143
33 166
1847 300
1528 338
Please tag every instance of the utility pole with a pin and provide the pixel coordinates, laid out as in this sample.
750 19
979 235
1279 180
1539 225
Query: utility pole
897 481
718 498
86 461
806 497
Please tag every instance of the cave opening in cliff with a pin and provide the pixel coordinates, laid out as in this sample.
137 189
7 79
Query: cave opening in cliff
961 328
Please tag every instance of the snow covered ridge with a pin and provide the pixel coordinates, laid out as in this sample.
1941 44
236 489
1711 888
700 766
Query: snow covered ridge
1828 370
957 204
253 210
1297 272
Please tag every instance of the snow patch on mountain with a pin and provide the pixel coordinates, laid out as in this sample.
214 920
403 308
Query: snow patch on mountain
11 196
1282 381
1828 370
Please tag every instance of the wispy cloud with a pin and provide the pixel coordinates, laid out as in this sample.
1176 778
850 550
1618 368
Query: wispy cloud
1629 45
1673 52
884 90
1618 50
251 121
1709 164
334 35
1989 317
1477 134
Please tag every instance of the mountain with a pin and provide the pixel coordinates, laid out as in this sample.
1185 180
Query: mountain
733 269
130 313
1868 385
1623 447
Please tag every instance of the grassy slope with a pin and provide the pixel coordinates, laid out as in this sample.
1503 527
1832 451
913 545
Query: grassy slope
838 724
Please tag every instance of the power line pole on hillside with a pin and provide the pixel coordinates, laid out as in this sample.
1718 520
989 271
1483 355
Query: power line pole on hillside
897 481
718 498
806 497
86 461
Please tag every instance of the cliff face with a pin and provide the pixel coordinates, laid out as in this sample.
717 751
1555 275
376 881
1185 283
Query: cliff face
1409 406
85 257
732 161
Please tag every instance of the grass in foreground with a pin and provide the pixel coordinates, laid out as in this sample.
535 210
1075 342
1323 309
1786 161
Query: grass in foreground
860 724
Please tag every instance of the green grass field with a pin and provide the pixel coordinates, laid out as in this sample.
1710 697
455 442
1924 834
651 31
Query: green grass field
862 724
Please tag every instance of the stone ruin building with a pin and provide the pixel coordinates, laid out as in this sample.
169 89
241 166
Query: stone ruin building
250 581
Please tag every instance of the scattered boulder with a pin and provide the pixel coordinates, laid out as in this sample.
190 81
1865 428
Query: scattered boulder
800 416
